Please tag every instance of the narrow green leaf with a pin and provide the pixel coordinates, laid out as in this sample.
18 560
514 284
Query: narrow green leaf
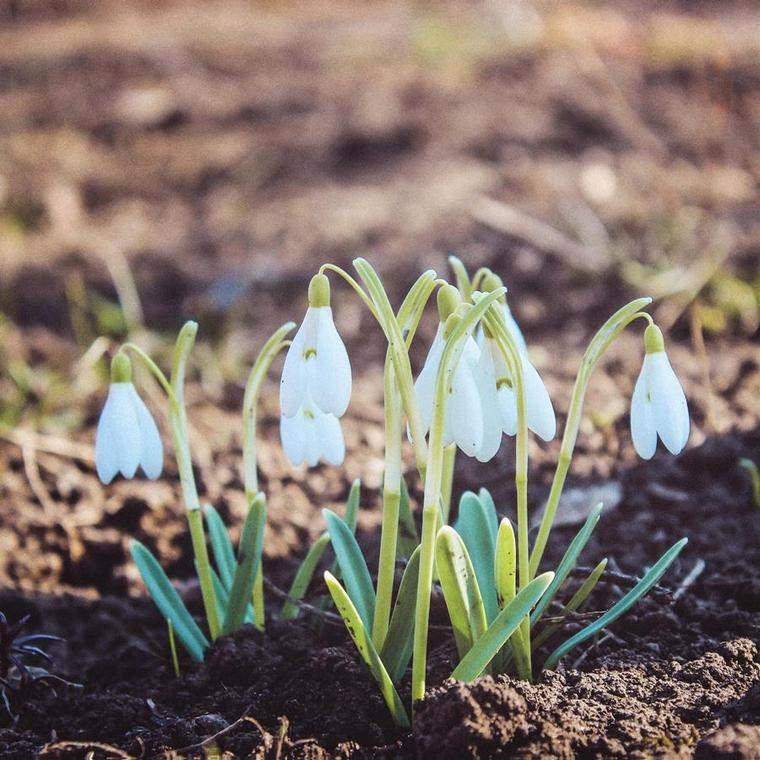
489 644
249 557
505 564
290 608
576 602
397 648
641 588
168 601
358 632
568 562
489 509
460 589
352 566
475 526
221 546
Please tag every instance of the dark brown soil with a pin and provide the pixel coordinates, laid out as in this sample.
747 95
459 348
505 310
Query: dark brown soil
223 150
678 674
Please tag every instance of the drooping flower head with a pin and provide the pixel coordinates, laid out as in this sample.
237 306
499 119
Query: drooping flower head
463 421
311 435
127 436
316 366
540 412
658 405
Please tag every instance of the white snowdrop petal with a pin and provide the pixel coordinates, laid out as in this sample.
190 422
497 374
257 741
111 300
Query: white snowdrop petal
106 441
515 331
151 447
465 410
293 380
671 412
489 401
541 419
424 386
330 383
126 429
292 435
331 435
643 430
508 409
312 443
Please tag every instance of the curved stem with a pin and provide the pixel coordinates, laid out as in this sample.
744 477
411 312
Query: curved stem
353 283
153 368
514 361
250 399
256 377
391 502
178 423
599 344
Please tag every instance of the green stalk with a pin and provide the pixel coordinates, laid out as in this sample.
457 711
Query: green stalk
178 425
447 485
391 500
408 318
599 344
431 510
250 472
400 355
250 400
513 359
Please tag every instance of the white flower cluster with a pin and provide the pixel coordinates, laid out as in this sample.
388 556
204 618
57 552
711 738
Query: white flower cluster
316 388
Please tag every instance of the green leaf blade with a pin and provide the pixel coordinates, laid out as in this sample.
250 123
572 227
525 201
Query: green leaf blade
460 589
641 588
303 576
221 546
477 528
568 562
505 624
397 648
353 567
168 601
363 642
249 559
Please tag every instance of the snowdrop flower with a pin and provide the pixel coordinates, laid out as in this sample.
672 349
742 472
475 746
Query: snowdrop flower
316 366
463 423
127 436
658 406
540 412
311 435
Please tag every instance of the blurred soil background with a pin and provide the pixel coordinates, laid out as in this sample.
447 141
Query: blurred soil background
169 160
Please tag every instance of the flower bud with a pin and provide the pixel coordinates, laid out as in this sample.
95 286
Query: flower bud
319 291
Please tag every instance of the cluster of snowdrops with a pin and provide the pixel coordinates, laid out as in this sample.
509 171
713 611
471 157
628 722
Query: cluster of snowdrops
477 385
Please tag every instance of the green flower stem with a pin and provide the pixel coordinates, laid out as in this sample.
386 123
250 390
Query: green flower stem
399 354
178 425
391 500
174 390
496 326
431 508
398 332
447 485
250 473
354 284
250 400
599 344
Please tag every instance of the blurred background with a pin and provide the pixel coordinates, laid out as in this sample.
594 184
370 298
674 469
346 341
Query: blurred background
167 160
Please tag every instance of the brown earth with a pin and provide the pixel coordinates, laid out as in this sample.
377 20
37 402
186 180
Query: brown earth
222 152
